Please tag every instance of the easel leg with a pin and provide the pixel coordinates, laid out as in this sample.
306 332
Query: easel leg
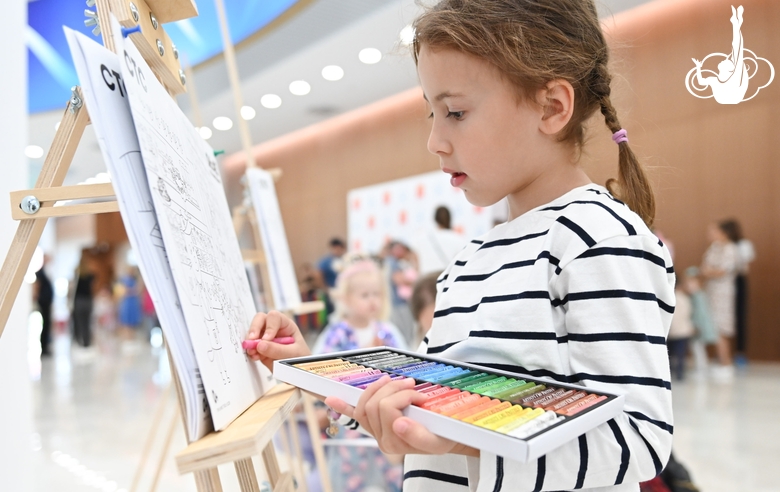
296 443
316 442
208 480
164 452
247 478
150 438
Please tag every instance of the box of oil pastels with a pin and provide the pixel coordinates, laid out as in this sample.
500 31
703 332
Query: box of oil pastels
511 415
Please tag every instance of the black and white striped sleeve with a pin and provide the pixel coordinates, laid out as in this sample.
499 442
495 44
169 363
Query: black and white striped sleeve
615 301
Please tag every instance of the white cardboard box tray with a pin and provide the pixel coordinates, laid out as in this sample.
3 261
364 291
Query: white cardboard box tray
523 450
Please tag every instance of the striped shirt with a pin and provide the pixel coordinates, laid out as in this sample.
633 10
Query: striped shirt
578 290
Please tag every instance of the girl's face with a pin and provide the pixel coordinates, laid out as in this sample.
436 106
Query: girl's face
364 297
492 145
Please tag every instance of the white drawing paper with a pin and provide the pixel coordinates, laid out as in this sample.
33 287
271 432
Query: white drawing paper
105 96
284 284
203 251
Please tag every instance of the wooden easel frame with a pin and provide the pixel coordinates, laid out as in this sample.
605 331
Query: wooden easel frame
249 435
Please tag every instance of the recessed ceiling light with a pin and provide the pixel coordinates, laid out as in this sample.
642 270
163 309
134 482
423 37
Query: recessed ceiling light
271 101
300 87
205 132
369 56
33 152
222 123
332 72
407 35
248 112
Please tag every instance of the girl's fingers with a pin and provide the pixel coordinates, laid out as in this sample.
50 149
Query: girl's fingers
256 327
388 391
360 410
340 406
416 436
276 351
390 410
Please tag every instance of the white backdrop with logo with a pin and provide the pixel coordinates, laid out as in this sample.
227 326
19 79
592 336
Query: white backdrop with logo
402 208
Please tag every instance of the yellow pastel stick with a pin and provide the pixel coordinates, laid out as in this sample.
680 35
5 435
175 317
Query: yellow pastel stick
487 412
524 419
495 421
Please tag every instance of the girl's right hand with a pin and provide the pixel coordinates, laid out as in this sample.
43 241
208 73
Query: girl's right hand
272 325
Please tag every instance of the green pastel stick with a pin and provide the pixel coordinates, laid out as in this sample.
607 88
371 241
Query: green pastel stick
494 385
466 379
476 386
517 391
526 392
460 376
479 379
507 385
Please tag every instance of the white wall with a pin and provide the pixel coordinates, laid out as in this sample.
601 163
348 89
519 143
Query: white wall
16 406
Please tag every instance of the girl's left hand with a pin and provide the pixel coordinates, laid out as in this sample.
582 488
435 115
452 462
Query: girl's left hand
380 412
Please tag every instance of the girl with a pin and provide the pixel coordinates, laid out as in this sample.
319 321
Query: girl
360 299
573 287
719 267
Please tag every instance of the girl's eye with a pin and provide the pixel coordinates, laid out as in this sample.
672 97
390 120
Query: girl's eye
456 114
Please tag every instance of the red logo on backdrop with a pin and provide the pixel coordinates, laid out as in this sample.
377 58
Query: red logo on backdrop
371 222
356 245
386 197
402 217
459 229
356 203
478 210
420 191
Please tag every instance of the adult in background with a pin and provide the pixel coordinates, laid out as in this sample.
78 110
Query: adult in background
435 248
719 267
44 296
82 303
329 265
401 266
745 255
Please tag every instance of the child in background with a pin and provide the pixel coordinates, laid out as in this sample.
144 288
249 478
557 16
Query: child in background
360 302
701 318
680 332
423 303
573 287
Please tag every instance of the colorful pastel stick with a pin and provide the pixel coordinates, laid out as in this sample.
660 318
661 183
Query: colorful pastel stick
371 355
461 384
468 373
481 388
483 405
422 386
552 398
438 401
521 420
500 407
512 391
356 376
324 364
518 394
538 424
583 404
250 344
536 396
499 418
451 409
442 391
565 402
445 375
476 386
507 385
394 377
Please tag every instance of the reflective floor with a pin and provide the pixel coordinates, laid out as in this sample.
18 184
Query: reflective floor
94 409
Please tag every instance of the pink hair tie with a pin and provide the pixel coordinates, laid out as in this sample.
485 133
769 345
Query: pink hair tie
620 136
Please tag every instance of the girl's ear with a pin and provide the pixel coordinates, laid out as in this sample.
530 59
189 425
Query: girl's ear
557 100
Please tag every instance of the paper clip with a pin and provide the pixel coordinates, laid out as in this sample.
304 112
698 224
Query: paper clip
126 31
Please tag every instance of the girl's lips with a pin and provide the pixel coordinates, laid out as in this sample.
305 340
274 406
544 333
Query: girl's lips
457 179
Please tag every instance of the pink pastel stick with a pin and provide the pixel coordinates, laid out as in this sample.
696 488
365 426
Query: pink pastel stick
250 344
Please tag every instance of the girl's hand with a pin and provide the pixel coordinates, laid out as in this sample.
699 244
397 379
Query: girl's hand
379 412
269 326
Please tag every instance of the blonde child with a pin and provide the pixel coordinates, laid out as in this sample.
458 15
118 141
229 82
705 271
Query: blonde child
359 297
573 287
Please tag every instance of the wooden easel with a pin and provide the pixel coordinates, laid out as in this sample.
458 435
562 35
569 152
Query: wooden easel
250 434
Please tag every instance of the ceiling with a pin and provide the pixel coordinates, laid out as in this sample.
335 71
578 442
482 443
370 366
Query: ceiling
323 32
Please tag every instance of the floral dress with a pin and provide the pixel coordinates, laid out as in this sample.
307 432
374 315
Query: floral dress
359 468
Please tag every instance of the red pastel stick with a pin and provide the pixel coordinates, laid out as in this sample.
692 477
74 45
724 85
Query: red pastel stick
250 344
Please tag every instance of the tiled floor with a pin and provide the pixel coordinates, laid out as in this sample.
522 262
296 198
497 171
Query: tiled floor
93 411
